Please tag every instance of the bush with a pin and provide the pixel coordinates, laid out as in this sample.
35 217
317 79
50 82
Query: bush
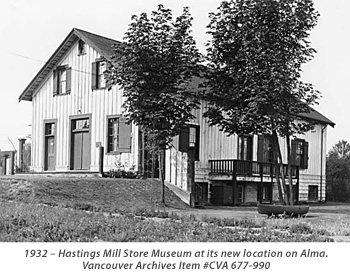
301 228
118 173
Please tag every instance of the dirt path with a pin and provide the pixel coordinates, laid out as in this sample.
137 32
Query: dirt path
317 213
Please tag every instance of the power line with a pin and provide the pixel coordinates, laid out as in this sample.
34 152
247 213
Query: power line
41 61
26 57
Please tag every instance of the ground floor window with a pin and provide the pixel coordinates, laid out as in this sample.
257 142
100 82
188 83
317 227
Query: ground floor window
118 135
266 192
241 193
313 193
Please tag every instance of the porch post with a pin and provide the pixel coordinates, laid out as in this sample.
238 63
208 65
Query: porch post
234 185
261 181
271 190
297 185
191 175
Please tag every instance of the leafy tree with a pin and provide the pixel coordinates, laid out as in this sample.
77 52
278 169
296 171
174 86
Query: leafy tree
255 56
154 68
338 172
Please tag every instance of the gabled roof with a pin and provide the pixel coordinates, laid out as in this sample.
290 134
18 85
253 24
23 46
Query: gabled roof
102 45
318 117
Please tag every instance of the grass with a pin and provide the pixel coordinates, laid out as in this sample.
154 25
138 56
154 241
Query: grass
95 194
117 210
37 223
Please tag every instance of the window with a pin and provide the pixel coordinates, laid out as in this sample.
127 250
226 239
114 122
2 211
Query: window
118 135
241 193
189 138
81 47
299 153
245 147
313 193
266 192
81 124
98 79
49 129
266 152
62 80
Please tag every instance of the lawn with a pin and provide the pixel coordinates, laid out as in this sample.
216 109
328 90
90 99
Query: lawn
90 193
97 209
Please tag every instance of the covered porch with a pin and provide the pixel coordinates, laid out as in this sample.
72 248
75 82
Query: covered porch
230 178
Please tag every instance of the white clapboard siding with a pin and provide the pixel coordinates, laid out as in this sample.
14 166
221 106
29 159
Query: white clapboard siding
81 101
214 144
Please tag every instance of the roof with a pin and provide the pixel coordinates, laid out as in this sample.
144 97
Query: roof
102 45
318 117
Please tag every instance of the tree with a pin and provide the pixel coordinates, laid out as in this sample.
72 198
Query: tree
154 67
255 58
338 172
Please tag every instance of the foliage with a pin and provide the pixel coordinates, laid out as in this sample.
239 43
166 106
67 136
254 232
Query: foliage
27 222
123 174
338 172
255 59
154 68
301 228
96 209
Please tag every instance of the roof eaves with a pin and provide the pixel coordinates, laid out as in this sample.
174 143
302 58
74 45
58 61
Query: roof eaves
318 117
48 66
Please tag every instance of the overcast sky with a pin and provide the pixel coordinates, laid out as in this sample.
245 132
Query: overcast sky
31 30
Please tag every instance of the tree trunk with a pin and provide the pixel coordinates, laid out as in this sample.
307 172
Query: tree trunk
161 174
153 160
291 196
277 169
280 161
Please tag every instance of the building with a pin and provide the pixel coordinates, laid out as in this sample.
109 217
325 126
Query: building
7 162
240 170
75 116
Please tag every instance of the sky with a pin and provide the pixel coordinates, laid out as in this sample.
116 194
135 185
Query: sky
31 30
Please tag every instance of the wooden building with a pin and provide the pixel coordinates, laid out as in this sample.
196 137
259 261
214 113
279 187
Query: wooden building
239 170
75 115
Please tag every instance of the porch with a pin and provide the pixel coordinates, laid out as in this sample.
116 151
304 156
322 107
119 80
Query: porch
260 174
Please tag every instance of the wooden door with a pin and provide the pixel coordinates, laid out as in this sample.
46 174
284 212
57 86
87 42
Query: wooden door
49 150
50 153
81 145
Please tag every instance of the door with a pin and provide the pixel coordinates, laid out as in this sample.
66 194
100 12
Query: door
50 145
81 145
245 154
201 193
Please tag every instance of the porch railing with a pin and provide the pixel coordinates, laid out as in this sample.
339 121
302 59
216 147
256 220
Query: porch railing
247 168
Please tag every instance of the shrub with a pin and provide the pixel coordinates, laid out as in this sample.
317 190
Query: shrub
301 228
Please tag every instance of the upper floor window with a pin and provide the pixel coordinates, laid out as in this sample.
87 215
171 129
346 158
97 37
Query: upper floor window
245 147
62 80
299 153
81 47
98 79
189 138
266 151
